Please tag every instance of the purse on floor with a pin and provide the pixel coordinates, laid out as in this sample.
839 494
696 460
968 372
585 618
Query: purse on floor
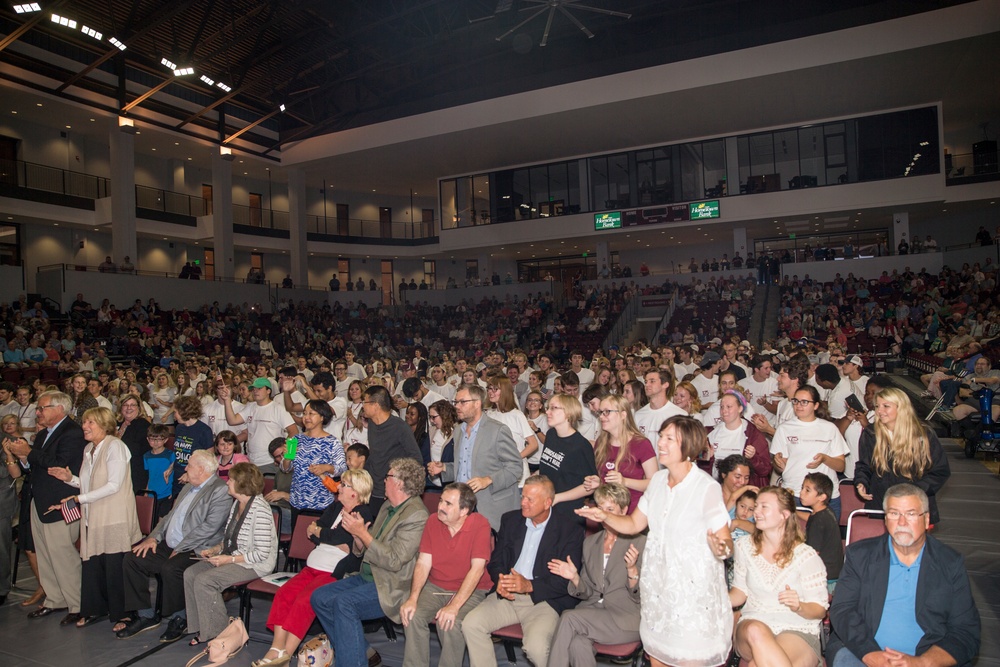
229 642
317 652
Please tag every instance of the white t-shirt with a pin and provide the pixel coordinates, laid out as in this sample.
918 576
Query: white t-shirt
586 379
589 427
214 416
726 443
680 370
264 424
708 389
836 402
541 422
520 428
712 417
447 390
799 442
858 387
336 425
759 390
649 420
357 371
853 437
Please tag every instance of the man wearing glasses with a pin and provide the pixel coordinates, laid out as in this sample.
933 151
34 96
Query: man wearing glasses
903 600
486 457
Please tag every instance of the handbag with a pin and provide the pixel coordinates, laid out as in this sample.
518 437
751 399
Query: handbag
229 642
317 652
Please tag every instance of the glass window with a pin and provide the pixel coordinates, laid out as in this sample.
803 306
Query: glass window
714 159
599 192
786 160
480 213
811 160
692 172
449 208
619 180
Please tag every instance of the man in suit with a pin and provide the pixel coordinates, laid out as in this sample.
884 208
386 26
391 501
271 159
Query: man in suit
526 591
389 547
196 522
58 444
486 457
904 600
609 611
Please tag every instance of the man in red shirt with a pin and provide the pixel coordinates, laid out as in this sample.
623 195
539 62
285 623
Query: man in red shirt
450 578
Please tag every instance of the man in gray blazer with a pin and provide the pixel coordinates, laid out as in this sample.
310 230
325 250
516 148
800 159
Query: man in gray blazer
486 457
196 522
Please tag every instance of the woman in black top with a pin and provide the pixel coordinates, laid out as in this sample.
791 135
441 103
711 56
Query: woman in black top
568 458
132 429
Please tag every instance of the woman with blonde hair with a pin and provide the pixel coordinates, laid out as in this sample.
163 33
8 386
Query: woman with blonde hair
900 448
781 581
568 457
623 454
109 525
503 408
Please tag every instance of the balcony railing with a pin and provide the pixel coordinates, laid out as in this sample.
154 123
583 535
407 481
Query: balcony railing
29 175
156 199
369 229
264 218
973 168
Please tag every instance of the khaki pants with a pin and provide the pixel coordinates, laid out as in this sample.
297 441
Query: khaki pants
417 652
59 564
538 622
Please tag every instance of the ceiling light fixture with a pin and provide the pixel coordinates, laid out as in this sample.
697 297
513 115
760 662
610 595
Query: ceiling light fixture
207 80
62 20
92 33
282 108
117 43
167 63
224 87
27 8
183 71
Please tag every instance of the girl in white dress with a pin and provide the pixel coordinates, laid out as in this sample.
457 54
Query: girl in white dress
686 617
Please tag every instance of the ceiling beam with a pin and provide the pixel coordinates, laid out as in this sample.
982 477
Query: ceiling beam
28 25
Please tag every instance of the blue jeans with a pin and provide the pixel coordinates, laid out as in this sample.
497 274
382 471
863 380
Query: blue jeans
845 658
340 608
949 392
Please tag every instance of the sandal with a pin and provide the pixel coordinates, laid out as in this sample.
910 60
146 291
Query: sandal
195 641
121 625
90 620
282 658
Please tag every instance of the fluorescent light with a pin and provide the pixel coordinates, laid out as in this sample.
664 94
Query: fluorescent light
91 32
167 63
224 87
116 42
183 71
207 80
62 20
282 107
27 8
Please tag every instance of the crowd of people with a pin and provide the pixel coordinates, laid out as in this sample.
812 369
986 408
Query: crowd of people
646 456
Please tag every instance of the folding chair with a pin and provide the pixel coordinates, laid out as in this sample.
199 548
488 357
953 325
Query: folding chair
863 524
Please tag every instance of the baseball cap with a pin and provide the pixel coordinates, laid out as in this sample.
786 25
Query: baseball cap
716 341
405 365
260 383
709 359
855 359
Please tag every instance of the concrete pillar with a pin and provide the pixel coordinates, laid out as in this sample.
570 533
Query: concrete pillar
900 229
739 242
602 256
222 216
297 226
122 191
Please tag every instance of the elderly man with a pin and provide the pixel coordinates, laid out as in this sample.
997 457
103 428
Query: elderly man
195 523
450 579
903 600
526 591
389 548
486 457
58 444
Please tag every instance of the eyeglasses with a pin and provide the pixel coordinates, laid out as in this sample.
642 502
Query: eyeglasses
801 401
464 401
606 413
345 485
44 407
433 416
556 407
895 515
389 474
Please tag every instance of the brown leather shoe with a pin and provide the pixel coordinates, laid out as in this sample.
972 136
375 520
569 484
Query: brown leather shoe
374 659
42 612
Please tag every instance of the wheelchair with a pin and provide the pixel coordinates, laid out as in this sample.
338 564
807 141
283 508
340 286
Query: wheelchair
984 436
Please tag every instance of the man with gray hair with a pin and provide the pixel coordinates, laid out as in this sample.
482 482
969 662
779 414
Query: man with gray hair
59 443
903 600
195 523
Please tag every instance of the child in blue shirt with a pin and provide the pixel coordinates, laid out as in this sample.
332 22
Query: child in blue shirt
159 463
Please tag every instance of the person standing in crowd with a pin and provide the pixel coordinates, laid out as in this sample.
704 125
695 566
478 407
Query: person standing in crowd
568 459
59 443
190 435
686 617
132 430
265 420
623 455
388 438
660 387
736 435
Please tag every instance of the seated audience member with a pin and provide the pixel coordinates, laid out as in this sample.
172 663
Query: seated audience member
822 528
229 452
607 582
450 579
526 592
389 549
983 377
782 584
904 599
280 496
196 522
249 549
291 614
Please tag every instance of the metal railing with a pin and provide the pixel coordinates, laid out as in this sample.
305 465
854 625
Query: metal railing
981 166
371 229
141 272
170 202
264 218
623 324
52 179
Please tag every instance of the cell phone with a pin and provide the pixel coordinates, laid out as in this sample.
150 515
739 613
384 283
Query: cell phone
854 404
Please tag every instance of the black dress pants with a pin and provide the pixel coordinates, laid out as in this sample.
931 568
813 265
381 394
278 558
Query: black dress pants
171 570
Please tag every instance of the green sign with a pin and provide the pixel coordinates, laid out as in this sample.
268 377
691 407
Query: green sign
703 210
611 220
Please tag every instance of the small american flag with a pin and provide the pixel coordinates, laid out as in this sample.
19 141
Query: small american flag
70 510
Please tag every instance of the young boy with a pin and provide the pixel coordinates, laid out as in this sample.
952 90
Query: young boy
158 462
742 523
822 528
357 455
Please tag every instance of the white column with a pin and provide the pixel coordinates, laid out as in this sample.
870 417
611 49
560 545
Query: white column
222 216
297 226
122 190
602 256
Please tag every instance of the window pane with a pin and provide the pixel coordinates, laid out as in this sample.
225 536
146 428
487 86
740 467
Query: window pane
786 160
599 191
714 157
449 211
811 161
